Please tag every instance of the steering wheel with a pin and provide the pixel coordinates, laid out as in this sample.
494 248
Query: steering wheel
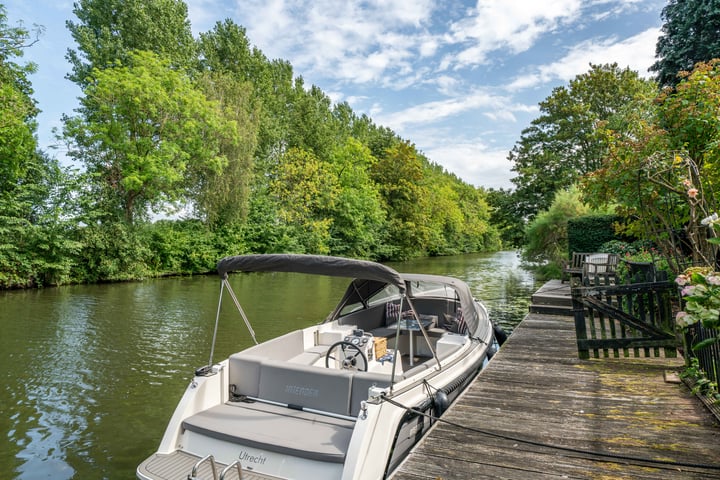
349 355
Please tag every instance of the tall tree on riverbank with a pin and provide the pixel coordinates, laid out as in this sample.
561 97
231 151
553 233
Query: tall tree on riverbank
226 49
664 177
146 134
221 195
690 34
18 157
34 241
109 30
566 141
400 178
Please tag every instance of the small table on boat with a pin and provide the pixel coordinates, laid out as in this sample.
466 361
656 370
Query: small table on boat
410 325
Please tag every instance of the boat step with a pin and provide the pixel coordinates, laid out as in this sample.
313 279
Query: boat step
179 464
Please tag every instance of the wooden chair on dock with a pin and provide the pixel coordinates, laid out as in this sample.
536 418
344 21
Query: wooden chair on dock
584 265
600 269
574 267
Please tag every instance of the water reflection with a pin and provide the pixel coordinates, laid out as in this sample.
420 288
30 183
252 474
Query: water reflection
53 368
91 374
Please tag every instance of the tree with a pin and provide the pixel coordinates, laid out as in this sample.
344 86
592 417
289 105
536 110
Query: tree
446 221
226 49
35 242
306 190
109 31
506 217
221 196
146 134
310 122
477 234
565 142
18 109
400 178
689 35
546 234
690 114
358 214
663 176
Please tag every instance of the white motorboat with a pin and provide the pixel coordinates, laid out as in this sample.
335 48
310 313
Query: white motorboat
345 399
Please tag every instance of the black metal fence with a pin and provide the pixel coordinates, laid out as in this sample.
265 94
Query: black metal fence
708 356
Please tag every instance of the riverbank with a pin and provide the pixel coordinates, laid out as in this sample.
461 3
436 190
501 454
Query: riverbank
538 411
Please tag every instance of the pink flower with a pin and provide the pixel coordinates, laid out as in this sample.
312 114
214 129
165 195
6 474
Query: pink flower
683 319
688 290
713 279
693 192
682 280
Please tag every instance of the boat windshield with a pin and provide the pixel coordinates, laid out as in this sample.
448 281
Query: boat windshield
432 289
389 292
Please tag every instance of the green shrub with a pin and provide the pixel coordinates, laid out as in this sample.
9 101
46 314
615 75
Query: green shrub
546 236
589 232
112 252
182 247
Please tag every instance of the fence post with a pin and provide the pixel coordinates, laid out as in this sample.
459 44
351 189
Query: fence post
580 329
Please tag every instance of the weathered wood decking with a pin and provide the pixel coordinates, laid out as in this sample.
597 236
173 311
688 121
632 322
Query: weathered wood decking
537 392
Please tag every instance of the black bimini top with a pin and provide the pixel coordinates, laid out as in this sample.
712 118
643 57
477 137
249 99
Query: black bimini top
311 264
369 277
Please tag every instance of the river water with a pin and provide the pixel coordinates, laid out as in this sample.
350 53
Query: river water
91 374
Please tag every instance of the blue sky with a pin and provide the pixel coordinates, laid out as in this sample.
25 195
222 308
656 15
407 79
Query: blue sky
459 79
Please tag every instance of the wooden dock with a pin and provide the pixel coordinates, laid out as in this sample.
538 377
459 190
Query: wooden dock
539 412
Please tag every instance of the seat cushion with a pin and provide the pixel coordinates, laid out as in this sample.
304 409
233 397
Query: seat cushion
275 429
318 388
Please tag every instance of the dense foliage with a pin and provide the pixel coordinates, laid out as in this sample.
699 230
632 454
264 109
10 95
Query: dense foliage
565 141
548 233
689 35
663 178
590 232
186 150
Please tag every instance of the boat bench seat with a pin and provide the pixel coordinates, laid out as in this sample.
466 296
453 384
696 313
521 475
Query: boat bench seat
297 385
276 429
310 355
318 388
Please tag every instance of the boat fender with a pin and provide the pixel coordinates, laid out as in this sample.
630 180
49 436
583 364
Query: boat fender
454 385
491 351
500 334
440 403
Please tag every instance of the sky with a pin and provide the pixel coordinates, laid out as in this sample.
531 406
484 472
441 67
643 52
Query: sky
459 79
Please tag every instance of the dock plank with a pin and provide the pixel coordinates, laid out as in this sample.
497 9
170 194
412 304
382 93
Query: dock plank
537 392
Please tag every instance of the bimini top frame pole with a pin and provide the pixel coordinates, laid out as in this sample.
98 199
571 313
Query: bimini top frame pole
224 283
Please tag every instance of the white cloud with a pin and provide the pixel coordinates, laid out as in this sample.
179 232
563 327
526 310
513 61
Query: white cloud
447 85
436 111
355 99
514 25
636 52
474 162
345 40
492 106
